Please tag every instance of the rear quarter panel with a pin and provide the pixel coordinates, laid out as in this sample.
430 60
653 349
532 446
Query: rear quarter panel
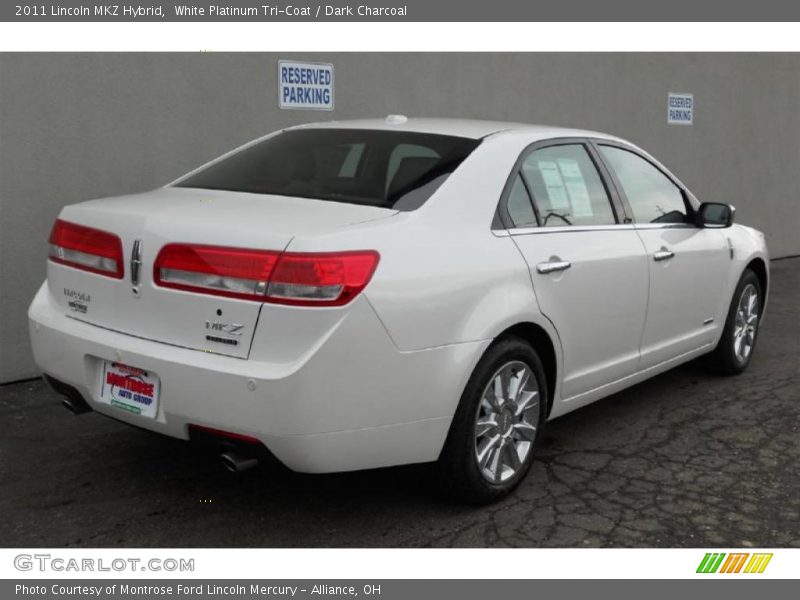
444 276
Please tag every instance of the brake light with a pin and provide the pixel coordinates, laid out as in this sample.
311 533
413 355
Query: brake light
314 279
86 248
231 272
303 279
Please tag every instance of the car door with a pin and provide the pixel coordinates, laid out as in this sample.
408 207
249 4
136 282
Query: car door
688 264
589 272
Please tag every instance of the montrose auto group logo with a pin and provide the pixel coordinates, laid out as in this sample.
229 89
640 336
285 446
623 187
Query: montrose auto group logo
128 385
734 562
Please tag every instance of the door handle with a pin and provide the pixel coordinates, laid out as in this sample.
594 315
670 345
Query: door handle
663 254
553 266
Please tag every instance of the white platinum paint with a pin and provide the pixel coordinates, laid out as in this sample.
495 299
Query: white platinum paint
376 382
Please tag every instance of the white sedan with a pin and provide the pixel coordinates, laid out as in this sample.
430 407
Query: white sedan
360 294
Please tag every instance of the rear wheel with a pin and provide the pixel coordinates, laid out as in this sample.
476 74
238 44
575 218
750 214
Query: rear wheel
498 422
738 341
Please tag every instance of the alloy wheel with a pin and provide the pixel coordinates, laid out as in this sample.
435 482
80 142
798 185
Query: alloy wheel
745 323
506 422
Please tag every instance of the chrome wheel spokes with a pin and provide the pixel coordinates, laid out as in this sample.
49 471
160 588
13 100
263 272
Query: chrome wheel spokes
506 422
745 323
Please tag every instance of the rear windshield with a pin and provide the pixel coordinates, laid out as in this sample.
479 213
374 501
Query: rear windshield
390 169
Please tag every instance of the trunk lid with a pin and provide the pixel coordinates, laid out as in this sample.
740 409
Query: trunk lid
193 216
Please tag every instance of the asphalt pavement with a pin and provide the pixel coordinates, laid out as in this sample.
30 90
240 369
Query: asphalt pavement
687 459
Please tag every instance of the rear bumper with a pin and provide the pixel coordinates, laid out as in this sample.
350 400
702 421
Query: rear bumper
353 402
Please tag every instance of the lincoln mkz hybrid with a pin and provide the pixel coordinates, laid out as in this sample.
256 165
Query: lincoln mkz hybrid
361 294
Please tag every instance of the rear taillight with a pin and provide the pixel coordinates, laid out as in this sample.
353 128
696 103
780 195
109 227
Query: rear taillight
86 248
321 278
304 279
231 272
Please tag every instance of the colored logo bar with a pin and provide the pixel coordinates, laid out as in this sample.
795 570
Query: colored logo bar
735 562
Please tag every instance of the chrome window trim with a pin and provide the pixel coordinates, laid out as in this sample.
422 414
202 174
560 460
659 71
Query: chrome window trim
610 227
665 226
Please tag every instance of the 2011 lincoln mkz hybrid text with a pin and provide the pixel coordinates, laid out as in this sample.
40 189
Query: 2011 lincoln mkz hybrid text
360 294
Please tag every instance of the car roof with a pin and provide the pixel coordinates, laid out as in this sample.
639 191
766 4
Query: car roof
468 128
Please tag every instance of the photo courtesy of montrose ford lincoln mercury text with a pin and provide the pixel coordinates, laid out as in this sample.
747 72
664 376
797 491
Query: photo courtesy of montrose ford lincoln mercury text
361 294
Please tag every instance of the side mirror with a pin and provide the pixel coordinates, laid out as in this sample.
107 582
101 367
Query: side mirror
715 215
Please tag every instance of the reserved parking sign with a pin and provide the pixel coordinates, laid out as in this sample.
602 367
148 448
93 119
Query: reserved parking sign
680 109
305 86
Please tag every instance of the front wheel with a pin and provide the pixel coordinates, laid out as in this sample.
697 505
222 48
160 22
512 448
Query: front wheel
491 442
738 341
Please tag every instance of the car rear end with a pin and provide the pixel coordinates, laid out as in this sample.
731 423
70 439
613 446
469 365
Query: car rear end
196 310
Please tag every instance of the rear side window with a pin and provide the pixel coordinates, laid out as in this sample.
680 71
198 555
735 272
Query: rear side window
566 187
389 169
519 206
652 196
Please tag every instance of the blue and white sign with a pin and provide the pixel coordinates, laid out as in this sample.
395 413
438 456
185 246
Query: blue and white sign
305 86
680 109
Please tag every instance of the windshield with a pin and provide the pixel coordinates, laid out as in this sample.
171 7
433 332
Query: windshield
389 169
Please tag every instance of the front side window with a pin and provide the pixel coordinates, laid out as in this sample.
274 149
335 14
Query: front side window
566 187
653 198
388 169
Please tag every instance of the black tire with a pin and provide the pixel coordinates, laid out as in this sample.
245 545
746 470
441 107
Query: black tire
457 472
724 359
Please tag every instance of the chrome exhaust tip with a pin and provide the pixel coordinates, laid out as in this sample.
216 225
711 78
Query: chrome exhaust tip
236 463
71 398
75 407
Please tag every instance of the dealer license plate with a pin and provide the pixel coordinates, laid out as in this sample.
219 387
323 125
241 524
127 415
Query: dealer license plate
129 388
